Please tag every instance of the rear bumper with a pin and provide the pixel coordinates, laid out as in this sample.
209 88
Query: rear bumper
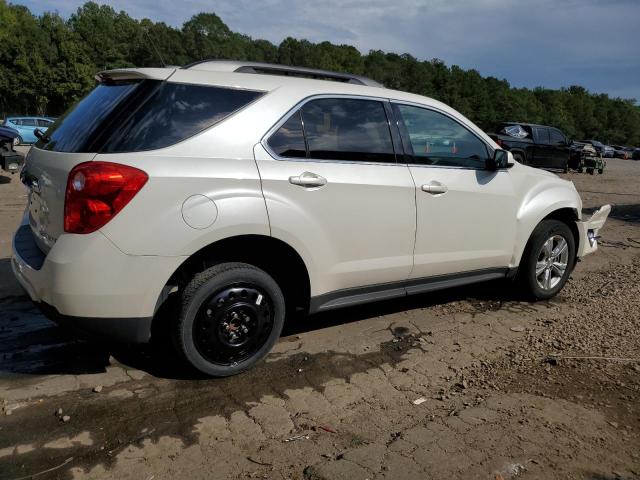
88 283
125 330
11 161
588 230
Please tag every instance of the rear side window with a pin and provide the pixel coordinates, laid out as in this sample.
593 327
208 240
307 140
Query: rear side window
347 129
145 115
175 112
543 135
288 141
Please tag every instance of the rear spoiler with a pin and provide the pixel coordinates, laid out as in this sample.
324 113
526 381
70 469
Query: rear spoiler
135 74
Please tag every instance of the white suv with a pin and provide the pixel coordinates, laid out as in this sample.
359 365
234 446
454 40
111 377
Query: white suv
245 192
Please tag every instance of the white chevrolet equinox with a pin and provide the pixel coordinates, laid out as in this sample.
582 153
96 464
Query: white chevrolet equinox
243 192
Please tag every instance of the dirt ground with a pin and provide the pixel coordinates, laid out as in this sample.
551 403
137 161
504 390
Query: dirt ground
466 383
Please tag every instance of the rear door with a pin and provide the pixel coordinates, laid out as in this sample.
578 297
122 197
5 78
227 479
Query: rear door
559 148
542 150
335 192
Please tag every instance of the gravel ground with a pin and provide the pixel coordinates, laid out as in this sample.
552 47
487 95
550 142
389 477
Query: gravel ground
466 383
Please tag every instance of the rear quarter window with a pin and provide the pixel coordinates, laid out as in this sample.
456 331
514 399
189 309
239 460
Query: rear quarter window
175 112
144 115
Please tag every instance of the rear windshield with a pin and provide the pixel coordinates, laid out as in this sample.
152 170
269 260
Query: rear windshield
142 115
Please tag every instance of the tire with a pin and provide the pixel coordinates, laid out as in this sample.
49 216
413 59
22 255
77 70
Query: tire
17 141
231 316
601 171
531 280
590 171
519 158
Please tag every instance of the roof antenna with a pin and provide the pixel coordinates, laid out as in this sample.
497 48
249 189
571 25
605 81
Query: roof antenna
154 47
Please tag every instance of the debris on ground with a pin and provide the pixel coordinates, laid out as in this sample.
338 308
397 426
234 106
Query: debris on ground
297 437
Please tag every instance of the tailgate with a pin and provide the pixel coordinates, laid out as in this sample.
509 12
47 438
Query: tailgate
45 174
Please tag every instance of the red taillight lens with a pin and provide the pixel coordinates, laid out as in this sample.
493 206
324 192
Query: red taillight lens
96 192
499 142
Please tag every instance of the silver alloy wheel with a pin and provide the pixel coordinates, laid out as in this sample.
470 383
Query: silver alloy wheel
552 262
16 141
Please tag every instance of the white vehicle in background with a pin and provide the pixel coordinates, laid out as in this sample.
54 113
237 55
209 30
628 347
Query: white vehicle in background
246 192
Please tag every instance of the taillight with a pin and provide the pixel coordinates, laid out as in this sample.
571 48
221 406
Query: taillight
499 142
96 192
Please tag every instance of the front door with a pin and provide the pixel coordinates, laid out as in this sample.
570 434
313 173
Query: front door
466 218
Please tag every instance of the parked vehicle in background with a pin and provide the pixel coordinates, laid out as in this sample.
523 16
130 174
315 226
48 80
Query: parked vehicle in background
26 127
584 157
609 151
10 160
293 194
599 146
534 145
620 152
635 155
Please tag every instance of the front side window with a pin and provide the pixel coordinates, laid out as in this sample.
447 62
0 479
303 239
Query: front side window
347 129
437 139
557 138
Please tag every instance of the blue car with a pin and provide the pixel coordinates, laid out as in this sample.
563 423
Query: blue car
25 127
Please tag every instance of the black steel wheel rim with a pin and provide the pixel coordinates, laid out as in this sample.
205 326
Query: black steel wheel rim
233 324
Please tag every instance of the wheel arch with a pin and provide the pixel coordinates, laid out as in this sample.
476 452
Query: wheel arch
521 152
566 213
270 254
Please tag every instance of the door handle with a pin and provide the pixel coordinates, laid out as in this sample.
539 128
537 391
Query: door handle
308 180
434 188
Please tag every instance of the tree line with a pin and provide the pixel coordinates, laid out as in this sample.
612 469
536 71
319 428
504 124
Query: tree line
47 63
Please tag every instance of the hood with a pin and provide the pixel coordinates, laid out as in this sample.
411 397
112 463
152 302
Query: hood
7 133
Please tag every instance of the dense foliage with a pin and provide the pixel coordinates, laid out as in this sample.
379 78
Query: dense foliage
47 63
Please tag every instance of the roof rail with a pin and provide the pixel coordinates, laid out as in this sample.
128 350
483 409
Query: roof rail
284 70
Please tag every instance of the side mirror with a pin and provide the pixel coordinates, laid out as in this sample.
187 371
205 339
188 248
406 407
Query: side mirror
38 133
501 159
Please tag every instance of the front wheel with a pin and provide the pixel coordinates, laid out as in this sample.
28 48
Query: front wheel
231 316
601 171
547 261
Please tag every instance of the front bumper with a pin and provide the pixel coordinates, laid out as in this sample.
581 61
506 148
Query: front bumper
588 230
89 283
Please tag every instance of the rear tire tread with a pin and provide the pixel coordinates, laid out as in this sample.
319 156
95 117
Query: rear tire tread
191 290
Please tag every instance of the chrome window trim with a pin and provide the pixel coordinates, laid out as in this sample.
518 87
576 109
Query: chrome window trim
490 149
292 111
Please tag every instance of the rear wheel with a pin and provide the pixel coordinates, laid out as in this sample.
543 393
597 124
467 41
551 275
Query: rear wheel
590 171
601 171
231 316
547 261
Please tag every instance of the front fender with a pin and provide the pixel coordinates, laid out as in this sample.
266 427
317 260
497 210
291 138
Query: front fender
541 201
